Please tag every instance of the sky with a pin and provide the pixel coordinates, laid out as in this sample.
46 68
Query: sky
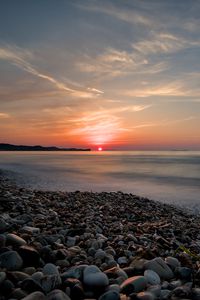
116 74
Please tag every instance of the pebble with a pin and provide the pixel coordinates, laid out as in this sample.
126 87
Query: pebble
2 277
159 266
11 261
30 230
81 245
110 295
50 269
172 262
14 240
97 280
35 296
184 273
3 225
152 277
145 296
134 284
29 255
57 295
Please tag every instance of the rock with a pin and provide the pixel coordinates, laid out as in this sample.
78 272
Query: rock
50 269
159 266
57 295
76 288
90 270
152 277
71 241
183 291
96 281
165 294
29 255
3 225
74 272
14 240
29 270
122 260
37 276
100 254
18 294
196 293
116 272
110 295
30 230
17 276
145 296
155 290
138 265
35 296
11 261
7 287
2 240
133 284
184 273
174 284
50 282
30 285
172 262
2 277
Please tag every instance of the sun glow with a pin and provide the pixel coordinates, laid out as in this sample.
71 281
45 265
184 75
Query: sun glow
100 148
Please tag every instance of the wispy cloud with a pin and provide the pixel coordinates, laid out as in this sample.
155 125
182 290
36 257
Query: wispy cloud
163 43
104 125
169 89
20 58
4 115
114 63
121 13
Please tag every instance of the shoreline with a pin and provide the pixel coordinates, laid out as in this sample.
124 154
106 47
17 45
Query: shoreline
104 241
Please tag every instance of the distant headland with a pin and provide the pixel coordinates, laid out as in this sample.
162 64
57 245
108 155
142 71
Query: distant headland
10 147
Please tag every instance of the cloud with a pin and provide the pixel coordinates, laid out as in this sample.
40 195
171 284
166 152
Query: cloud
170 89
4 115
103 126
20 58
163 43
126 15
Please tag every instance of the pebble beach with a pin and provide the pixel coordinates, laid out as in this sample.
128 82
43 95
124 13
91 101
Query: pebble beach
105 246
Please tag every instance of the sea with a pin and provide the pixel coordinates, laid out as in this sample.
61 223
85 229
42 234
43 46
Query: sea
168 176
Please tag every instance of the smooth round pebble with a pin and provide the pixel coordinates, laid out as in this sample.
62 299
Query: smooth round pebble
152 277
57 295
11 261
133 284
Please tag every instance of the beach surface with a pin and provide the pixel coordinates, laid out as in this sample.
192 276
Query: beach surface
83 245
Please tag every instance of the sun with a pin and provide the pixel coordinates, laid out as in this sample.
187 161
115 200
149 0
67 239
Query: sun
100 148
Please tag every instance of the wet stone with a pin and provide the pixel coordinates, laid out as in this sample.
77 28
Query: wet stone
35 296
152 277
11 261
110 295
134 284
14 240
57 295
172 262
145 296
29 255
7 287
2 277
159 266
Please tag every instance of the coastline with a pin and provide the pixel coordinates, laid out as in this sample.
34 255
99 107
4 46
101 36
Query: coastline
121 235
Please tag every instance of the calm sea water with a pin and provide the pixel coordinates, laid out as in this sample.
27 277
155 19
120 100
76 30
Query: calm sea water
172 176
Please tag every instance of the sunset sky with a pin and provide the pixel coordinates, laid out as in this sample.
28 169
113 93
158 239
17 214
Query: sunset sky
120 74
